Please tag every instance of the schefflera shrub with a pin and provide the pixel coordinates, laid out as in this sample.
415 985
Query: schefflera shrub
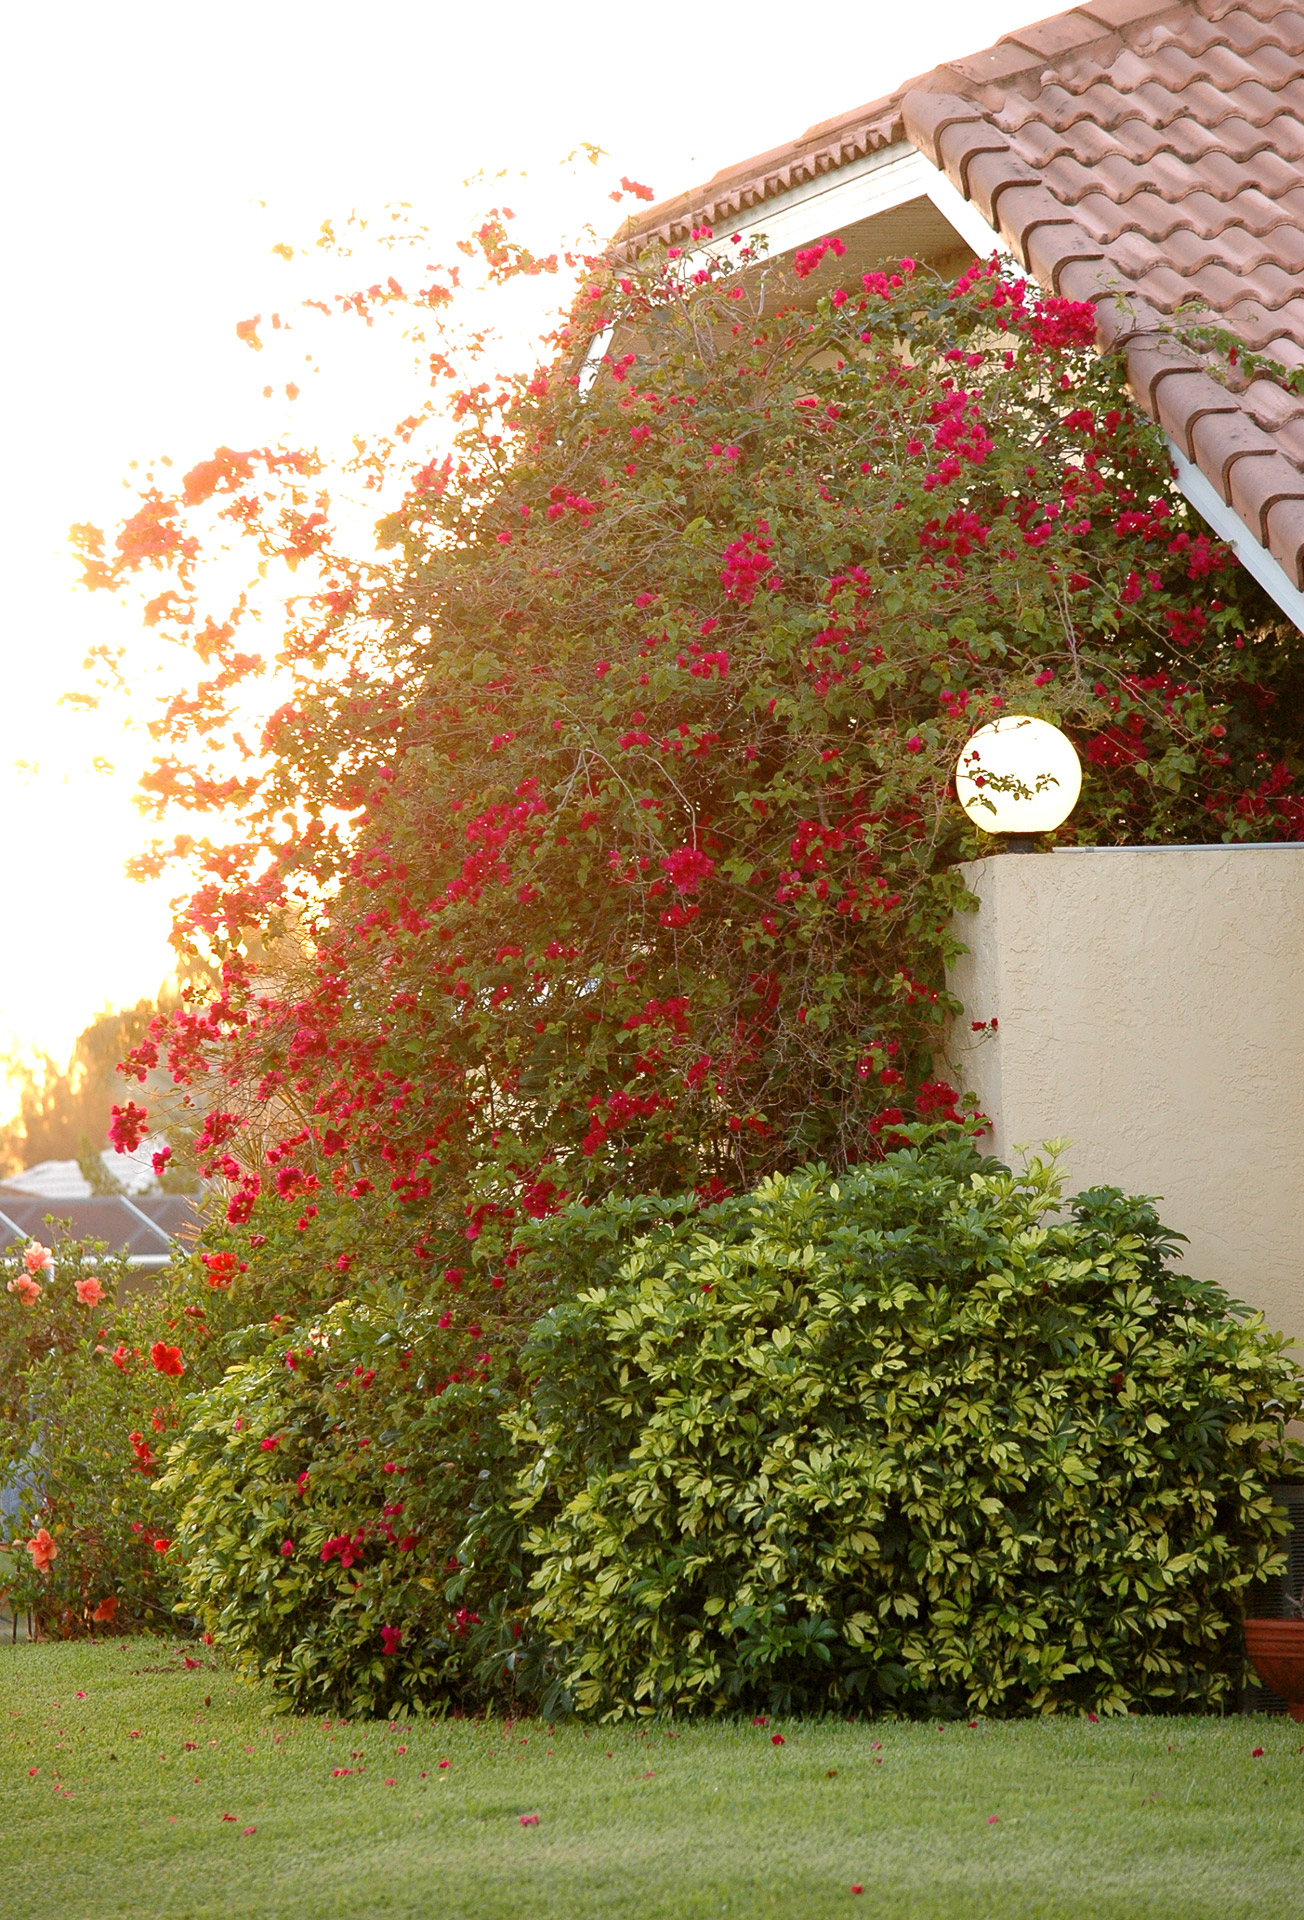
918 1437
324 1486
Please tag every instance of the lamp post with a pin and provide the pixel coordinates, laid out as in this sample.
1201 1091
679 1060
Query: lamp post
1017 777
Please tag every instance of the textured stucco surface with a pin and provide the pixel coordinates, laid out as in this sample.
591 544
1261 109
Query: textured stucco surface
1150 1008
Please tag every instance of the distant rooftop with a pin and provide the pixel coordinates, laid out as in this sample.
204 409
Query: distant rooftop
143 1228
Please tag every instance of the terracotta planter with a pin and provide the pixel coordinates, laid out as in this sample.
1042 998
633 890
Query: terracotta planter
1277 1650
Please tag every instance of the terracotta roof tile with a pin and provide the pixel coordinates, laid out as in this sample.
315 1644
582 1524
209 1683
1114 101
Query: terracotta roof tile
1145 156
1286 537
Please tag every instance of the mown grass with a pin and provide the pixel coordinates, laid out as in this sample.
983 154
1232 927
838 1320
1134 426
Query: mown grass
120 1767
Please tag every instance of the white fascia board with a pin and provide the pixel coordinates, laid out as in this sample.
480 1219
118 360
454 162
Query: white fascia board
1229 526
963 215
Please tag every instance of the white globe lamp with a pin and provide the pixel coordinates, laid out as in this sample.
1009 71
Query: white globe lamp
1018 776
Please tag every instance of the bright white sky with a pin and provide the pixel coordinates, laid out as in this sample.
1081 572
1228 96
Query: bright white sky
138 141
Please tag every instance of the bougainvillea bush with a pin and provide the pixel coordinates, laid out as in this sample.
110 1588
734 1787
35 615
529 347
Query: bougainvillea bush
607 842
92 1378
909 1438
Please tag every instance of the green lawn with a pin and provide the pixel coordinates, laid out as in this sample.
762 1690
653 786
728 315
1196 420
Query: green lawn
122 1765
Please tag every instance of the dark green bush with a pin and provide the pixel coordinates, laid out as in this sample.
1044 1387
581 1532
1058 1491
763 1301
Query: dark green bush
915 1437
325 1486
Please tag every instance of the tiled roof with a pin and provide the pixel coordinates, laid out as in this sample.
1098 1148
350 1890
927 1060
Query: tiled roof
1142 156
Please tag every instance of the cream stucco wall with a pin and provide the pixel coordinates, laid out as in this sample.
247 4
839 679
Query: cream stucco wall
1150 1009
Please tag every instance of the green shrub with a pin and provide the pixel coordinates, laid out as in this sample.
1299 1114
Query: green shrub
916 1436
85 1415
325 1485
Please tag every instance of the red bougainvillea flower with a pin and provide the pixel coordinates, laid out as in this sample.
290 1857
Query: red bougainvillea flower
104 1612
128 1128
161 1545
43 1550
167 1359
391 1639
26 1289
89 1291
37 1259
689 869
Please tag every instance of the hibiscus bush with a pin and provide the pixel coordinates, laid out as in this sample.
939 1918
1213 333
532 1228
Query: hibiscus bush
914 1437
92 1381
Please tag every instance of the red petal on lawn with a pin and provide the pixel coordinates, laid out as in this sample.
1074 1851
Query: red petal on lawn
855 1888
529 1819
228 1816
777 1740
1257 1754
992 1819
246 1831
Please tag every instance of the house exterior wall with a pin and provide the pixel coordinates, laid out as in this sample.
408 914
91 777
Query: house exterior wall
1150 1010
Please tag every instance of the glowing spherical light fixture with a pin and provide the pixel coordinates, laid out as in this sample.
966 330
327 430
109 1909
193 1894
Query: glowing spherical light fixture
1018 776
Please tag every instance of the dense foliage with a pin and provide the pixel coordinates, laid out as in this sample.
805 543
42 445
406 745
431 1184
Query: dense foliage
908 1438
324 1490
607 841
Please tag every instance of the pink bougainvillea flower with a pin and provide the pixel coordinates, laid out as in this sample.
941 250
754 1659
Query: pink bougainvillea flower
37 1259
26 1289
443 1764
287 1549
43 1550
529 1819
689 869
167 1359
89 1291
246 1831
993 1819
391 1638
